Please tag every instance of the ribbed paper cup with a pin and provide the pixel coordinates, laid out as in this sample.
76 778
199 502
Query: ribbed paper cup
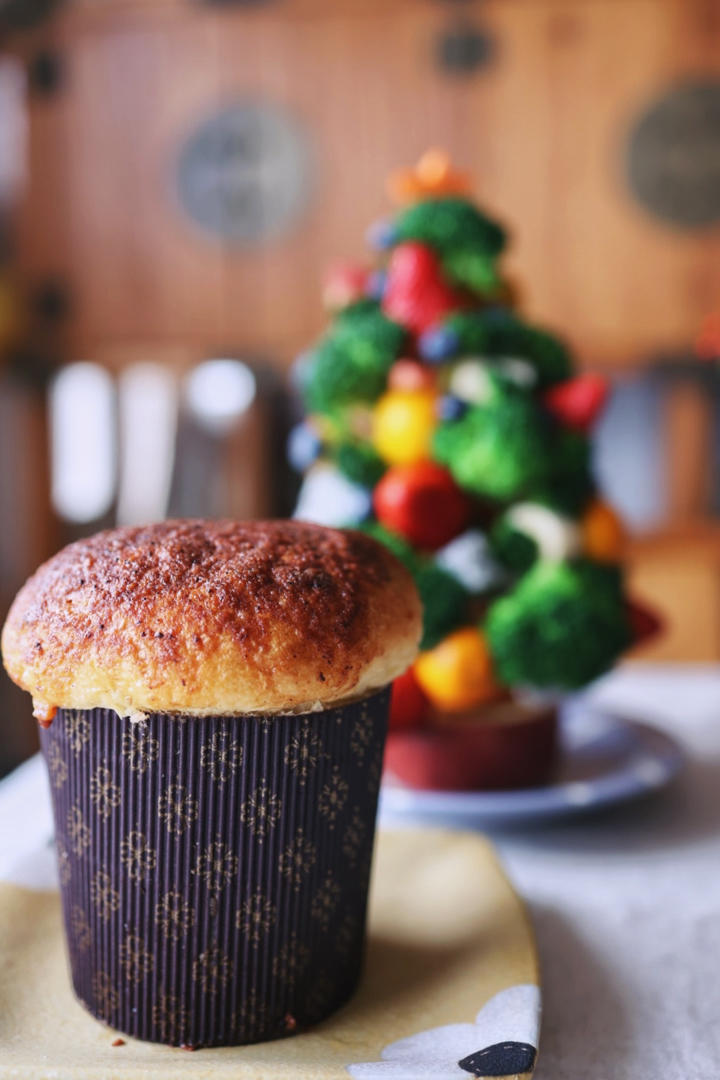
214 871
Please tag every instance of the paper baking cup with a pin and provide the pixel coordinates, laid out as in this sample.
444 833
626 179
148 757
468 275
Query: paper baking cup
214 870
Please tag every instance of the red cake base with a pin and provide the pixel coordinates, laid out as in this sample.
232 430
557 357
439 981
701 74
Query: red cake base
506 745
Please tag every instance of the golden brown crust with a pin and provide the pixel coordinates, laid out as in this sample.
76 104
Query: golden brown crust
212 617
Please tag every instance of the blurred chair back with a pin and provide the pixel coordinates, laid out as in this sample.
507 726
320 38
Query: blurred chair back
107 443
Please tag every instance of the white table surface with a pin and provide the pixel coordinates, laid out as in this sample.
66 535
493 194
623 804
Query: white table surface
626 905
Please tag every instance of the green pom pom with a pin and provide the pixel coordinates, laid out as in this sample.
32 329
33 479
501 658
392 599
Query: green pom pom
515 550
497 450
399 547
569 484
351 363
360 463
445 601
563 626
449 225
471 269
499 332
510 336
356 313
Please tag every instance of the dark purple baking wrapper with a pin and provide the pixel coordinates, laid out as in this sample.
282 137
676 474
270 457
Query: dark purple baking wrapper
214 870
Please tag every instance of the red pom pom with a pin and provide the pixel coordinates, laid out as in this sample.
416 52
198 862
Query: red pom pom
344 284
579 401
408 705
416 294
644 622
411 375
422 503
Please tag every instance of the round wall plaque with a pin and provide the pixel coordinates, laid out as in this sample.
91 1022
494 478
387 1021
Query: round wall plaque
244 173
20 13
673 156
464 48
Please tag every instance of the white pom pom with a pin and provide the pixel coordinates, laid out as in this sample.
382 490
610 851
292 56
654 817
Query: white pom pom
518 371
468 558
471 382
329 498
557 537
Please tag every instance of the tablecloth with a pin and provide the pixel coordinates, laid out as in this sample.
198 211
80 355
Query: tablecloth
626 905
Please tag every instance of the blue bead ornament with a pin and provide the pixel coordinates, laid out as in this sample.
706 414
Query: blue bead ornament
376 284
438 344
303 447
497 316
450 407
382 235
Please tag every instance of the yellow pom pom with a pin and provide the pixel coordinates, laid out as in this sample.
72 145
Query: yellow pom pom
603 533
457 673
403 426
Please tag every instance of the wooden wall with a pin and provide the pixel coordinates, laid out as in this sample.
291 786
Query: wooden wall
543 126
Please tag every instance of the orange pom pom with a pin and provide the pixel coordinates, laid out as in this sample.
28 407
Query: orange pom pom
457 674
432 177
603 533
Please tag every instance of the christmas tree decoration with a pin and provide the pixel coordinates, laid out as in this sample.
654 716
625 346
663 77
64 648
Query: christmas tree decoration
457 433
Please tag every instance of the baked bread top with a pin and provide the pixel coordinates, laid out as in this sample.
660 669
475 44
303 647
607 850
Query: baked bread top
212 617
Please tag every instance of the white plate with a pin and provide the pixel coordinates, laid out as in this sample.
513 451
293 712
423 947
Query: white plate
604 760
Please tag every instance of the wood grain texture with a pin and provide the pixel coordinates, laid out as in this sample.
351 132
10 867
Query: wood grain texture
688 441
543 131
